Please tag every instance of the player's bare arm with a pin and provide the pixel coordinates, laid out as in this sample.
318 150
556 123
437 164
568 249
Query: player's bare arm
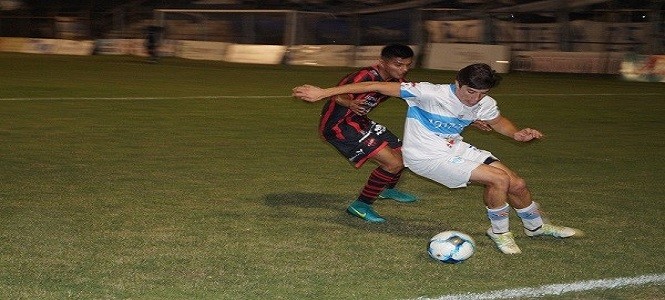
312 93
504 126
482 125
308 93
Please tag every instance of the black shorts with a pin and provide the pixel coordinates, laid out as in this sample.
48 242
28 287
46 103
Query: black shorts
359 145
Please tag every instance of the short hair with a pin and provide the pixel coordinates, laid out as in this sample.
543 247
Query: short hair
396 50
478 76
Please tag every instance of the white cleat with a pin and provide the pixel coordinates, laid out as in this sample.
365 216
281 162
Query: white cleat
504 241
554 231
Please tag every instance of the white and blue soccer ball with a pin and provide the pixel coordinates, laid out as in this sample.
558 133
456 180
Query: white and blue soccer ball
451 247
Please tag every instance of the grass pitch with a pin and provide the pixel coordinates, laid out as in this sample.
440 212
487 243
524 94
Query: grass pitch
203 180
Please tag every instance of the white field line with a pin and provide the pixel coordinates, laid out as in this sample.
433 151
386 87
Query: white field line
285 96
558 289
564 94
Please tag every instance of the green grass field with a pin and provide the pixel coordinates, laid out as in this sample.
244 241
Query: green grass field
202 180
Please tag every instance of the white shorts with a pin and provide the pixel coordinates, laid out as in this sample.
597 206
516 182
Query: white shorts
451 168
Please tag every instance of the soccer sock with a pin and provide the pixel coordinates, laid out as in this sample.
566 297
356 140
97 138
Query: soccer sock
394 180
499 218
530 217
377 181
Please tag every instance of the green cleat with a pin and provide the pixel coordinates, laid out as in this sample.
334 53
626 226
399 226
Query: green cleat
397 195
364 211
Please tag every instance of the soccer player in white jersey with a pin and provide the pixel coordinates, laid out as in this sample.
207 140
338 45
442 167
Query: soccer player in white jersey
433 146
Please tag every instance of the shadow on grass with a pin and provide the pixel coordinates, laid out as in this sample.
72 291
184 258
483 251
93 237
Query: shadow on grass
305 200
395 225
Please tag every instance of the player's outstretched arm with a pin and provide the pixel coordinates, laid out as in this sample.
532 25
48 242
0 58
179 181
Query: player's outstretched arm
504 126
308 93
312 93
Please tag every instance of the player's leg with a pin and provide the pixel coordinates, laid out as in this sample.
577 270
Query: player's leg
394 163
495 197
519 198
390 160
528 210
379 147
497 184
358 147
388 171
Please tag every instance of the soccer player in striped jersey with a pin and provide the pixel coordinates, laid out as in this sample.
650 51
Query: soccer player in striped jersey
433 146
345 125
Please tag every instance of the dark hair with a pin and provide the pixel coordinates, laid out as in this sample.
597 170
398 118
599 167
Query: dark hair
396 50
478 76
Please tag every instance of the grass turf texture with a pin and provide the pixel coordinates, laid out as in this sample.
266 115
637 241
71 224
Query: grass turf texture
229 198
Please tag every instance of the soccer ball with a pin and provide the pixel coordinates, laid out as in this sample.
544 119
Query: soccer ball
451 247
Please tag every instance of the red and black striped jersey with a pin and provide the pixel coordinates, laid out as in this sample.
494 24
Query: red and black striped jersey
335 115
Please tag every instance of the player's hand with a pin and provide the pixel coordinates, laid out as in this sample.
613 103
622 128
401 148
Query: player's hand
527 134
482 125
357 107
308 93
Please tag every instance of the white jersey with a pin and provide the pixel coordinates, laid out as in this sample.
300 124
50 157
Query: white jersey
436 118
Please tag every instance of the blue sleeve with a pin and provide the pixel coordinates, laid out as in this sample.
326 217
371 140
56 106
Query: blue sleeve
407 90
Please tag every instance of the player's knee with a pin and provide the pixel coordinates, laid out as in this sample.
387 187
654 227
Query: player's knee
393 164
394 167
500 180
517 186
